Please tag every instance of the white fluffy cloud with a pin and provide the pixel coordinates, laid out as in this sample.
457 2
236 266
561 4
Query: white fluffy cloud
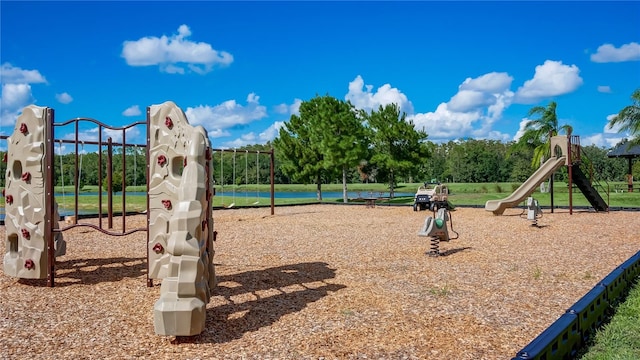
271 132
244 139
550 79
468 100
15 75
608 138
613 130
286 109
172 54
521 127
472 111
15 96
604 89
444 123
16 92
489 90
600 140
609 53
64 98
133 110
218 133
92 135
227 115
384 95
493 82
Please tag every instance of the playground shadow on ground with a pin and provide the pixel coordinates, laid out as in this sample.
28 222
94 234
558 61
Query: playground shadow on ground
453 251
259 298
93 271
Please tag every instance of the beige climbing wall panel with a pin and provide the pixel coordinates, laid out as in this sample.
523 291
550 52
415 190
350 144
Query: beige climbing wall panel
180 224
26 253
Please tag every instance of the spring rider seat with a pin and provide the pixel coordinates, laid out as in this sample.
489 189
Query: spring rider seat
436 229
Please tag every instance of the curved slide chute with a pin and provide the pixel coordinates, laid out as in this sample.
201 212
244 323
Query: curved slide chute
527 188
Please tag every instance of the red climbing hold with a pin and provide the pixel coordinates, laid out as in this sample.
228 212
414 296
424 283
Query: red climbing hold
23 128
167 204
9 199
168 122
162 160
26 176
29 264
158 248
25 234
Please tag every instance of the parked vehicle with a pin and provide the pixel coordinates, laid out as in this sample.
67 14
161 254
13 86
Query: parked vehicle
431 196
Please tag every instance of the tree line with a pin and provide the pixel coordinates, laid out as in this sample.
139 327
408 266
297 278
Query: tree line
332 142
330 138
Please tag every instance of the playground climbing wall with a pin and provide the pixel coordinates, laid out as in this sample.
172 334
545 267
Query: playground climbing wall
180 222
26 200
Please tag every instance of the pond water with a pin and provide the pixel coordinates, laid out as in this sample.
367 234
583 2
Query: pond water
266 194
241 194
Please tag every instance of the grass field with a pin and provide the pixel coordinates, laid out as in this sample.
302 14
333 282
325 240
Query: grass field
619 338
461 194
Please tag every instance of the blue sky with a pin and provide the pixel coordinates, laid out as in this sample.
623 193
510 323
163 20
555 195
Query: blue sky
240 69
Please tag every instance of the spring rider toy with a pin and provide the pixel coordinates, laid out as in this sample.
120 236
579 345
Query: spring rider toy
436 228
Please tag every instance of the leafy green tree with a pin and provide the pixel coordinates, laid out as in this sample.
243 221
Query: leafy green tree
341 137
324 140
628 119
398 148
610 169
520 163
434 167
136 166
538 132
116 182
478 161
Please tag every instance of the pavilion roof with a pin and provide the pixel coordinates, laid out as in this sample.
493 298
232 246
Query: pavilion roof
623 150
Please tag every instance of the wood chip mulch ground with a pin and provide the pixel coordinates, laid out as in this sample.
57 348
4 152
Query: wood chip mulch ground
326 282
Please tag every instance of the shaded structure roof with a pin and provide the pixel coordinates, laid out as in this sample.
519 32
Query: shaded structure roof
624 151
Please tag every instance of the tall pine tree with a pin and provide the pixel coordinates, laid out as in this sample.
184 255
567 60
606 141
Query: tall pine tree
398 148
325 139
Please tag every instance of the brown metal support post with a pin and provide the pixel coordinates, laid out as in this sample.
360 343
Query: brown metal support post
149 280
630 176
50 198
100 176
124 180
75 180
272 176
570 175
208 193
109 185
552 174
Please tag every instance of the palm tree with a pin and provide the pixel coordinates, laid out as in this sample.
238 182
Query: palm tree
538 132
628 119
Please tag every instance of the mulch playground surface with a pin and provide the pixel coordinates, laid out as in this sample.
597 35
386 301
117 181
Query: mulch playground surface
325 282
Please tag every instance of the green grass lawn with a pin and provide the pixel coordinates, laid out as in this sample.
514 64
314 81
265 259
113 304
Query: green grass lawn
462 194
620 338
